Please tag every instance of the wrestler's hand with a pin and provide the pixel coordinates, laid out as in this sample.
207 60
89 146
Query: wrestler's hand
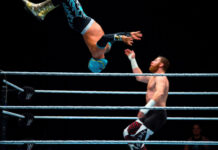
136 35
127 40
129 52
140 114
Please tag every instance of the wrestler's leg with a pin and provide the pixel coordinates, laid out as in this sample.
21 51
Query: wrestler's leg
137 131
40 10
80 22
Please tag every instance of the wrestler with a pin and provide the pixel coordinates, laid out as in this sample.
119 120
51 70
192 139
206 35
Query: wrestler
96 40
149 121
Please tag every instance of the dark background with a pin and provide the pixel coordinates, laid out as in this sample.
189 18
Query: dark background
183 31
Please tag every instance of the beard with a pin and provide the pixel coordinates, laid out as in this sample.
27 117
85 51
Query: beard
153 69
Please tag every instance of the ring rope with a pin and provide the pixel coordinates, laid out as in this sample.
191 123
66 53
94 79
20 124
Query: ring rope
13 114
105 108
107 74
104 92
102 117
119 118
13 85
110 92
118 92
108 142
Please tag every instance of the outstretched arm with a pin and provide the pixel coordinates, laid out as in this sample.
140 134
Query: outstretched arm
137 35
131 55
125 37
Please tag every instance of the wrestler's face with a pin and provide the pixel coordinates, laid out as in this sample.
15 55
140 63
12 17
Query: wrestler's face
196 130
155 64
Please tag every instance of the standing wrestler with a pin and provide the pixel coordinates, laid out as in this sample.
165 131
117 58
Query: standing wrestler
96 40
149 121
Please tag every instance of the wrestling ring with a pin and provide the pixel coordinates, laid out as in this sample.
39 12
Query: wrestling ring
6 110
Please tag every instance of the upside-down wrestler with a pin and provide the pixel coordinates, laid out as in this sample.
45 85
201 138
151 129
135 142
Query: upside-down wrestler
96 40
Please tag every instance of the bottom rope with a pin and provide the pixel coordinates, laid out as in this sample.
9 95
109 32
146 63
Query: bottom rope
106 142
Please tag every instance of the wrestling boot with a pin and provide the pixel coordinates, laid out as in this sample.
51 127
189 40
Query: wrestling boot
39 10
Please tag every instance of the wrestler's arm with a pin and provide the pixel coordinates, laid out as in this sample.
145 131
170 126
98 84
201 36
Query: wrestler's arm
143 79
131 55
137 35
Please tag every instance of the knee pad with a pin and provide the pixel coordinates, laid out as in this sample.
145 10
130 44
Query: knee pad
133 129
136 127
138 131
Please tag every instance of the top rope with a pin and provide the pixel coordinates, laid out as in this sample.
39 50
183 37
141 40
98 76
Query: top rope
107 74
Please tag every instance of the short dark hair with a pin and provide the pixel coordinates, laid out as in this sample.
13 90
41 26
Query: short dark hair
166 63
